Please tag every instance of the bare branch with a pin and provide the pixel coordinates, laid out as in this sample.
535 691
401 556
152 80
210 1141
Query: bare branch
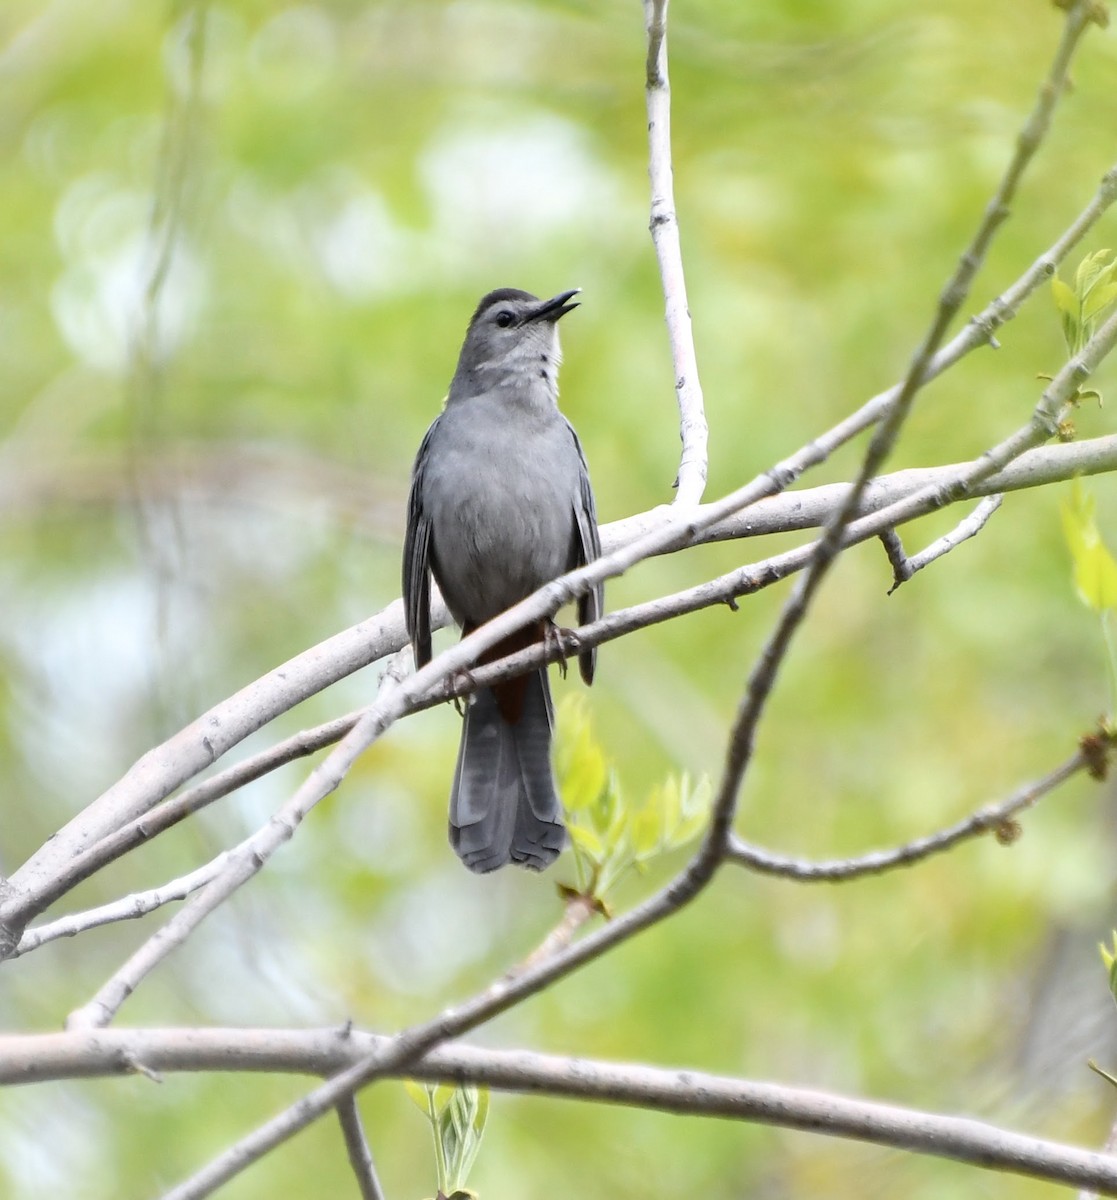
792 510
162 769
664 226
170 812
119 813
360 1155
576 912
402 1050
1110 1149
950 301
958 287
995 818
38 1057
239 866
903 567
897 557
128 908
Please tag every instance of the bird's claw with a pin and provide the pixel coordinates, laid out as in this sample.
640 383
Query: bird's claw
561 641
460 678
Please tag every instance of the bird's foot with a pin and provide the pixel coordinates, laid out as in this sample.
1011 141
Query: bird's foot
562 641
460 678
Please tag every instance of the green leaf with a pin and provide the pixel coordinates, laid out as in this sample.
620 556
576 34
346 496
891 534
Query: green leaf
604 814
1090 269
1100 298
460 1124
1109 958
1065 299
695 808
587 841
579 759
646 832
1067 304
610 836
457 1116
482 1113
1095 570
1095 290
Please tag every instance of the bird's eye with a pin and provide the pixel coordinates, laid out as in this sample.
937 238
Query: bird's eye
504 319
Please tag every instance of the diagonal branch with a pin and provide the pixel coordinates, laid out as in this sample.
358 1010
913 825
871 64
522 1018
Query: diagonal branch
904 567
239 866
1037 467
687 885
157 773
360 1154
762 678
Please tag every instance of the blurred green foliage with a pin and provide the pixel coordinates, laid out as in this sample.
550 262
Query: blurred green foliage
1095 574
201 478
610 835
1083 306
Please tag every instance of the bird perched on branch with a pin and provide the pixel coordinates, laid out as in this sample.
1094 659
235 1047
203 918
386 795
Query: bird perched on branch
501 504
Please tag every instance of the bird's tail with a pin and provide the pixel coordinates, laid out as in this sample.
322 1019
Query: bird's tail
504 806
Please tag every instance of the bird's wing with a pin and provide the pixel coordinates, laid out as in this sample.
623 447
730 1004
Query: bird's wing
587 547
417 562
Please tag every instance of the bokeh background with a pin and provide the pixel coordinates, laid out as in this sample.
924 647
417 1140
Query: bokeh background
239 243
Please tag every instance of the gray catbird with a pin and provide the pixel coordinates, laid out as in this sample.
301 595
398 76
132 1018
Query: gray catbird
501 504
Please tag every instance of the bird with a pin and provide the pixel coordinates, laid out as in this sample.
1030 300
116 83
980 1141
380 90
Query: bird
500 504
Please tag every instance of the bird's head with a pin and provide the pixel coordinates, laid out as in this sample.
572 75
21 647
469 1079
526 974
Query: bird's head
512 338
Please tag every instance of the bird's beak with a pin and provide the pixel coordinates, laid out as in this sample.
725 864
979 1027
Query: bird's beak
557 306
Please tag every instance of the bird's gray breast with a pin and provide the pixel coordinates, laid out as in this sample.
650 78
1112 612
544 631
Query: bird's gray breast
500 484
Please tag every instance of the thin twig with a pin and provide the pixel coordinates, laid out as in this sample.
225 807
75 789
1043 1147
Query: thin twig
240 865
762 678
158 772
950 301
357 1147
995 818
412 1042
664 225
128 908
576 912
904 567
897 557
1052 406
170 812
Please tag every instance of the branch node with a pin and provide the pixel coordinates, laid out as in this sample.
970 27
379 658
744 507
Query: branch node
1008 832
130 1064
1096 748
